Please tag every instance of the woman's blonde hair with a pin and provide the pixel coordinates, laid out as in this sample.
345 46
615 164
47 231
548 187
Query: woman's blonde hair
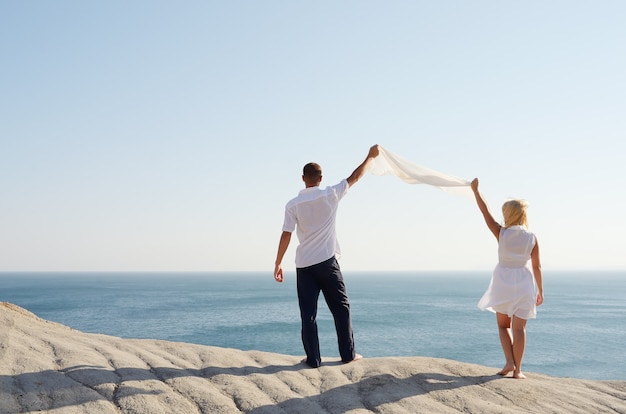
514 212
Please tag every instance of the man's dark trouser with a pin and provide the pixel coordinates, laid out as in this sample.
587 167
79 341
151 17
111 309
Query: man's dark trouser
327 278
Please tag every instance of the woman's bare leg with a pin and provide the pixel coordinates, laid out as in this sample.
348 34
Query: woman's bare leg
519 344
506 340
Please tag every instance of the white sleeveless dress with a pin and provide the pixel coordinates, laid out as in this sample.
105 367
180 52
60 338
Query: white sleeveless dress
512 287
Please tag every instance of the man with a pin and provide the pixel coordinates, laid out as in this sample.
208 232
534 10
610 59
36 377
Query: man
313 213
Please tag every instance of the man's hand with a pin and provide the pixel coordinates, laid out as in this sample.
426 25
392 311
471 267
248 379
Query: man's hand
374 151
285 238
358 173
278 273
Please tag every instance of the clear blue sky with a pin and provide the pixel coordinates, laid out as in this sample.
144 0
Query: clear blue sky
151 135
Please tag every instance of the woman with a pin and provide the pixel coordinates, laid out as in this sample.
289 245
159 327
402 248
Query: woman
514 291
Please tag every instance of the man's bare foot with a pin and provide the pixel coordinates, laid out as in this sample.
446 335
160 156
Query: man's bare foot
519 375
305 361
356 358
507 368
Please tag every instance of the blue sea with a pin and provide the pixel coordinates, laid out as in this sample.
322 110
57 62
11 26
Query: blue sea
579 331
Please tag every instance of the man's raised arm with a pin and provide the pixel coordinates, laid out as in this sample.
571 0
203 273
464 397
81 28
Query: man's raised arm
358 173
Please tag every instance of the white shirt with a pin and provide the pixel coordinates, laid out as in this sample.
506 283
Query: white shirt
313 213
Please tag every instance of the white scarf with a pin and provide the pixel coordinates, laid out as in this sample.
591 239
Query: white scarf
388 163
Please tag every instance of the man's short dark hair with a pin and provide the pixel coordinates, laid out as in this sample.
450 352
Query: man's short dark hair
312 171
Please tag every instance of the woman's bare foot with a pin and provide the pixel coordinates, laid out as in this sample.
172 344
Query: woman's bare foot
507 368
519 375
